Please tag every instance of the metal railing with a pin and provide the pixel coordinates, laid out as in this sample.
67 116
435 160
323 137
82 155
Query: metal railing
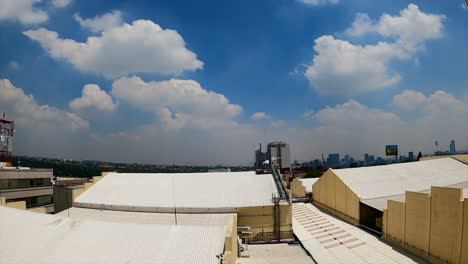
279 184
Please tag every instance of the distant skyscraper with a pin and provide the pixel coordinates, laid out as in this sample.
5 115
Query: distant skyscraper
278 153
411 155
259 158
333 160
453 150
366 158
346 159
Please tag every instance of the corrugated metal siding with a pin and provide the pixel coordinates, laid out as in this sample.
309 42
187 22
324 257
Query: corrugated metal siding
193 192
28 237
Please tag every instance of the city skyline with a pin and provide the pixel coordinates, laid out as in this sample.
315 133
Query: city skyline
323 76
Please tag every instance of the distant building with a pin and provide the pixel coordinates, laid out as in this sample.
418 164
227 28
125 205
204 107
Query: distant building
316 163
27 188
333 160
279 154
346 159
366 158
410 155
260 157
453 150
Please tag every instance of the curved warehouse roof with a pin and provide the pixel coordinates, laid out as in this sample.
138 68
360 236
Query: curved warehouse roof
188 192
28 237
390 180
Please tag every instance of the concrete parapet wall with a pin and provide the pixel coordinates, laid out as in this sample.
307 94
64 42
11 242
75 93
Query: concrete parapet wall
418 213
18 205
433 226
262 219
297 189
396 216
230 241
333 195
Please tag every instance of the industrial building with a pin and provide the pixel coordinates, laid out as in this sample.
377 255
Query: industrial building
28 237
27 188
418 205
262 210
279 154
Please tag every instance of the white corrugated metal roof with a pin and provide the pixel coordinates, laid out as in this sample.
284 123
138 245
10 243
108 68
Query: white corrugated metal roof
395 179
330 240
146 218
307 183
188 192
27 237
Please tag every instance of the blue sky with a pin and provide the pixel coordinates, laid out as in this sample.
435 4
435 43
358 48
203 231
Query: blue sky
311 72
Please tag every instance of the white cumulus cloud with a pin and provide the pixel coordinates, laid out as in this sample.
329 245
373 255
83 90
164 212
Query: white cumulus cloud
24 110
14 65
319 2
341 67
177 103
409 99
23 11
100 23
353 113
140 47
259 116
61 3
93 97
440 102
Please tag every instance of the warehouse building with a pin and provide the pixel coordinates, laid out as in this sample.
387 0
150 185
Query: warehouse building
359 195
28 237
255 199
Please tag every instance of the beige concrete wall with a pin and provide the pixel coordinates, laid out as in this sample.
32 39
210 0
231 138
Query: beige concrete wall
464 247
332 193
433 226
87 185
446 223
316 191
261 218
352 204
17 205
340 195
323 188
41 210
297 189
230 241
97 178
331 190
417 222
396 215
